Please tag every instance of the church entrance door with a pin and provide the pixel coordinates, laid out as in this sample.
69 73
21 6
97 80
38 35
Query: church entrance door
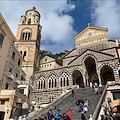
106 74
91 73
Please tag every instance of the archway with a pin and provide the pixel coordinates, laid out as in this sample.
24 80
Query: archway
77 78
106 74
91 73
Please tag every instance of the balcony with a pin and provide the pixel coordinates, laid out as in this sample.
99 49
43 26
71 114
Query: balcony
10 75
18 81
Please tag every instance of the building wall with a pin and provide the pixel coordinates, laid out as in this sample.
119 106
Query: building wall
47 63
6 52
11 77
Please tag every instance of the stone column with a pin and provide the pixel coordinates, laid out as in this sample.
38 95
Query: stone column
99 79
116 74
58 81
46 82
70 80
84 80
87 80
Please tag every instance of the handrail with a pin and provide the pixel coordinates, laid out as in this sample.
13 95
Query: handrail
99 105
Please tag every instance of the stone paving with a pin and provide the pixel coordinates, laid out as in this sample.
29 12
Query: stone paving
70 103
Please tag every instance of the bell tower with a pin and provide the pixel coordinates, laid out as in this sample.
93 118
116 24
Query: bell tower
28 40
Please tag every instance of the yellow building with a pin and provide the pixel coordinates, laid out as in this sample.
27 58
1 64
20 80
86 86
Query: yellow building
47 63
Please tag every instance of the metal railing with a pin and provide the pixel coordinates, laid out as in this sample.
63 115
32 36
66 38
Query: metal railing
99 105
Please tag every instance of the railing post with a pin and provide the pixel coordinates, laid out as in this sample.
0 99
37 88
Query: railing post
90 117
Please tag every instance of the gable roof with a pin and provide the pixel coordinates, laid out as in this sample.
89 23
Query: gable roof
90 50
69 53
91 27
52 56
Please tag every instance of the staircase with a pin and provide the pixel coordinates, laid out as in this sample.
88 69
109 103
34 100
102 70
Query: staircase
70 103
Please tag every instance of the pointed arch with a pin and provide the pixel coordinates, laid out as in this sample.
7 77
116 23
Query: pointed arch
91 70
77 77
106 73
52 80
64 79
89 55
41 83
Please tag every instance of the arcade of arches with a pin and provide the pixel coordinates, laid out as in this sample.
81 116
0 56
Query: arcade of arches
106 74
71 77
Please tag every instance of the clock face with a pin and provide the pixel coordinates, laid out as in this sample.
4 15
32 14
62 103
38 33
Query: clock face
89 34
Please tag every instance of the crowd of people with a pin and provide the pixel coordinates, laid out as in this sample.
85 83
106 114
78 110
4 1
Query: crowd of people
53 115
83 104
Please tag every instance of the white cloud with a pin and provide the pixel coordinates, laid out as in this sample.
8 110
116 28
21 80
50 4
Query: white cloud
56 26
107 14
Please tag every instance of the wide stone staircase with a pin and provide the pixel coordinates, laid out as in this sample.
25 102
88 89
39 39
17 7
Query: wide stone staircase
70 103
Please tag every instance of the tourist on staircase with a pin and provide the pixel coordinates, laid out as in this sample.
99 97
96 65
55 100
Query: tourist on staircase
58 115
83 116
65 117
69 114
49 114
53 115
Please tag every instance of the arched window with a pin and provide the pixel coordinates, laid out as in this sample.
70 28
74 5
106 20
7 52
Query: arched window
52 83
67 82
41 83
21 52
49 83
64 80
22 22
24 54
44 84
55 83
26 34
7 85
29 21
61 82
53 80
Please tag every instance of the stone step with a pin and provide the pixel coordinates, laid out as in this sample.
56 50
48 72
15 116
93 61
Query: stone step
70 103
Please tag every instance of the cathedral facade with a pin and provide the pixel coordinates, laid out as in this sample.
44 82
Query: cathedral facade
95 59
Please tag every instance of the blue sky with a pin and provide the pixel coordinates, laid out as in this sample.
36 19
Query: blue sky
62 20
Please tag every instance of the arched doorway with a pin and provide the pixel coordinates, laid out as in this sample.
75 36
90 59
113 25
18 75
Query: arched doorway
91 74
106 74
77 78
